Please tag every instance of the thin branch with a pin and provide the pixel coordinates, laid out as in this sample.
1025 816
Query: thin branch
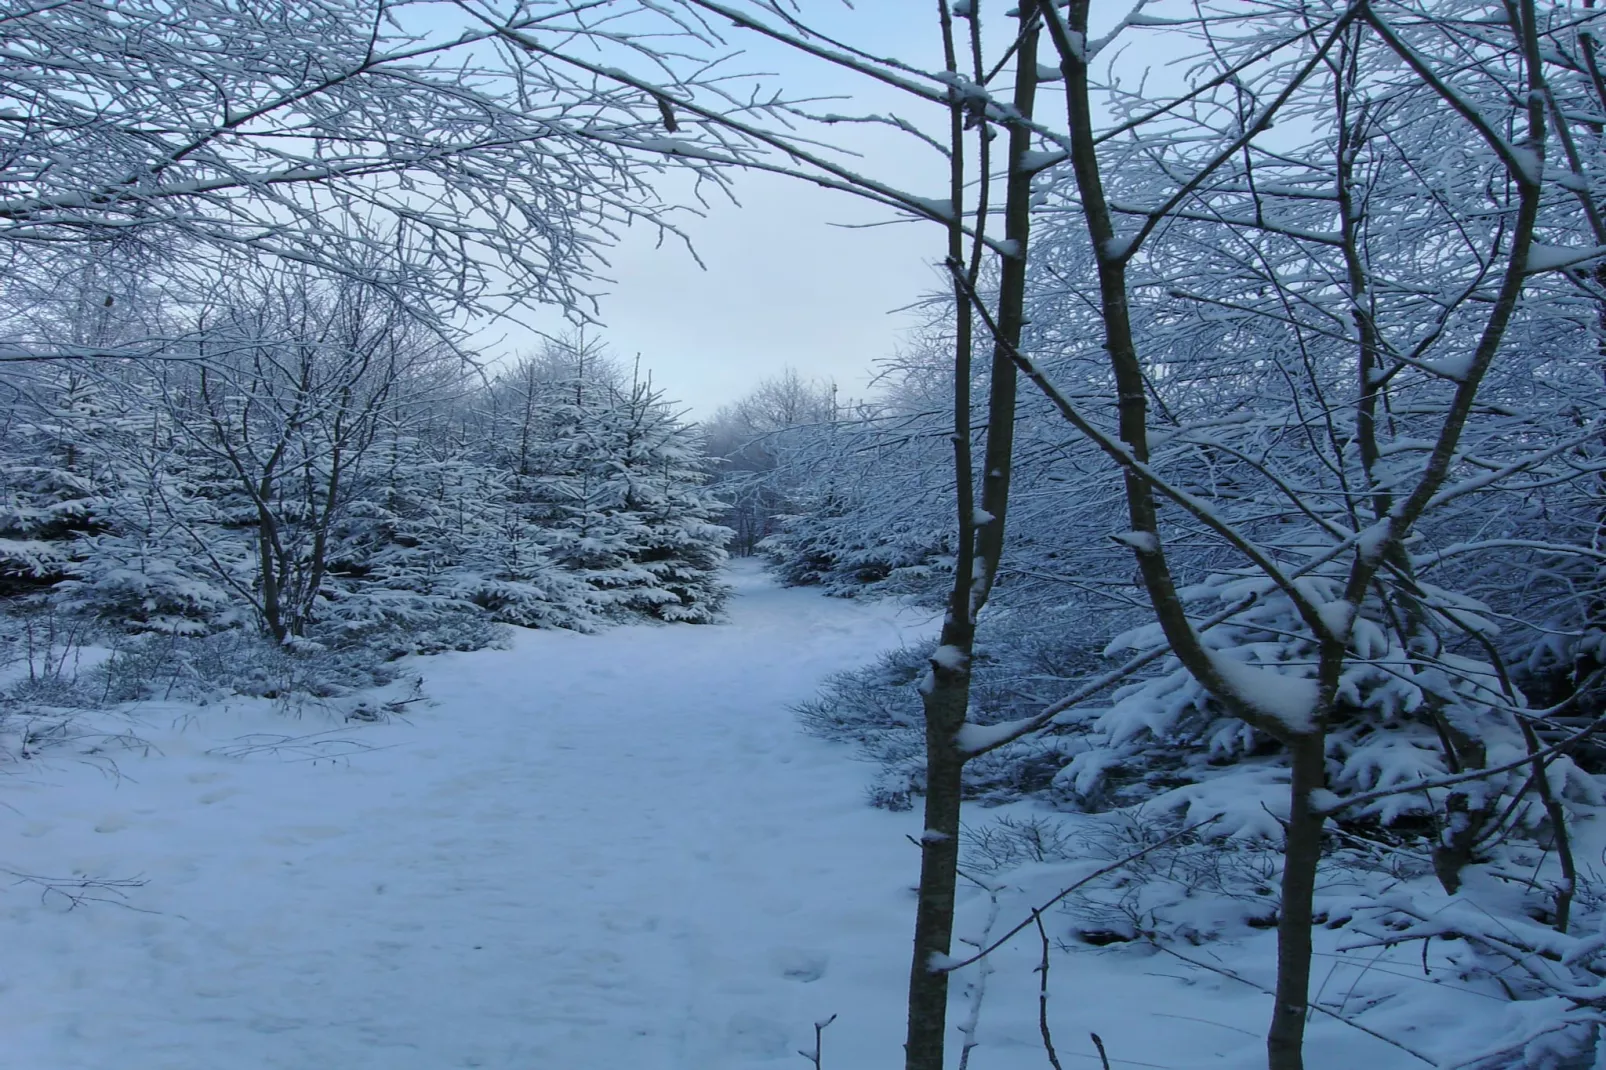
1102 871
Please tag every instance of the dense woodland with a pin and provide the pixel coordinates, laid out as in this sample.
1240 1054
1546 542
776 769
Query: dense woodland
311 466
1253 457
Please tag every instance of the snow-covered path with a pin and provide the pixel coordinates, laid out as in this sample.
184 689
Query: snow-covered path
593 853
581 857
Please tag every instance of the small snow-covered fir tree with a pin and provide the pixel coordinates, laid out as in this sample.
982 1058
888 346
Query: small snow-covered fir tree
54 479
142 572
439 532
619 482
656 485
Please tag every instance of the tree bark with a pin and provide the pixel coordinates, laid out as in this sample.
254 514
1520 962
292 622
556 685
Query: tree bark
1302 854
946 695
945 703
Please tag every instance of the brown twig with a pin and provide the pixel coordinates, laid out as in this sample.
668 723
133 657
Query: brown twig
1095 875
814 1056
1042 996
1098 1043
1352 1023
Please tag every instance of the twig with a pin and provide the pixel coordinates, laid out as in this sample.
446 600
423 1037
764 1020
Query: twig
1095 875
1042 1000
1352 1023
78 890
979 987
314 747
819 1030
1099 1044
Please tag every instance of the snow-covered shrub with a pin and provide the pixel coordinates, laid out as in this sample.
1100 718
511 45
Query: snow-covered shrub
240 662
130 582
875 709
1393 936
1404 716
1189 888
57 477
52 686
862 501
45 656
1496 937
833 552
1017 665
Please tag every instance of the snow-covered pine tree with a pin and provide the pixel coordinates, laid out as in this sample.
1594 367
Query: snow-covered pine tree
141 571
656 486
438 532
619 484
55 478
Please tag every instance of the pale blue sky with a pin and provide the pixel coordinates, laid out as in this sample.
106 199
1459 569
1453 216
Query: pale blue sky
782 285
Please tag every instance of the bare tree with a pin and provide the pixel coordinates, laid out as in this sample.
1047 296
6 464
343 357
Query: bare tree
750 435
395 142
295 381
1391 342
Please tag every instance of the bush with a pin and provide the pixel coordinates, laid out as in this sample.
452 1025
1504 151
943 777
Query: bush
1021 661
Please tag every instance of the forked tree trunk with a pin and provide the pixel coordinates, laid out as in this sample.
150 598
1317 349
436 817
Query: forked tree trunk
946 695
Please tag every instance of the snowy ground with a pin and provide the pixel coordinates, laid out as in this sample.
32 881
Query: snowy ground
607 852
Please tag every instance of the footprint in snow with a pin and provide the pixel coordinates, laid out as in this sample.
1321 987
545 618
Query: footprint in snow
799 964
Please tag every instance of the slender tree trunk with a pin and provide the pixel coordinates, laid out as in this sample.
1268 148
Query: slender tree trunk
1302 854
272 604
946 696
318 567
945 703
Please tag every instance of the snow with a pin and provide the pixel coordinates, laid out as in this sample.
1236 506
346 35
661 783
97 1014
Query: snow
1291 700
1042 160
1455 368
1370 540
974 738
1337 617
590 852
1144 542
933 208
1119 247
674 146
1527 162
1551 257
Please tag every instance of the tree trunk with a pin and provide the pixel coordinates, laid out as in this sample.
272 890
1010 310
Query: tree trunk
1302 853
268 561
272 604
945 703
946 697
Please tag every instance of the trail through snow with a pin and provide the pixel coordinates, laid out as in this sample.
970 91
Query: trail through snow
608 852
